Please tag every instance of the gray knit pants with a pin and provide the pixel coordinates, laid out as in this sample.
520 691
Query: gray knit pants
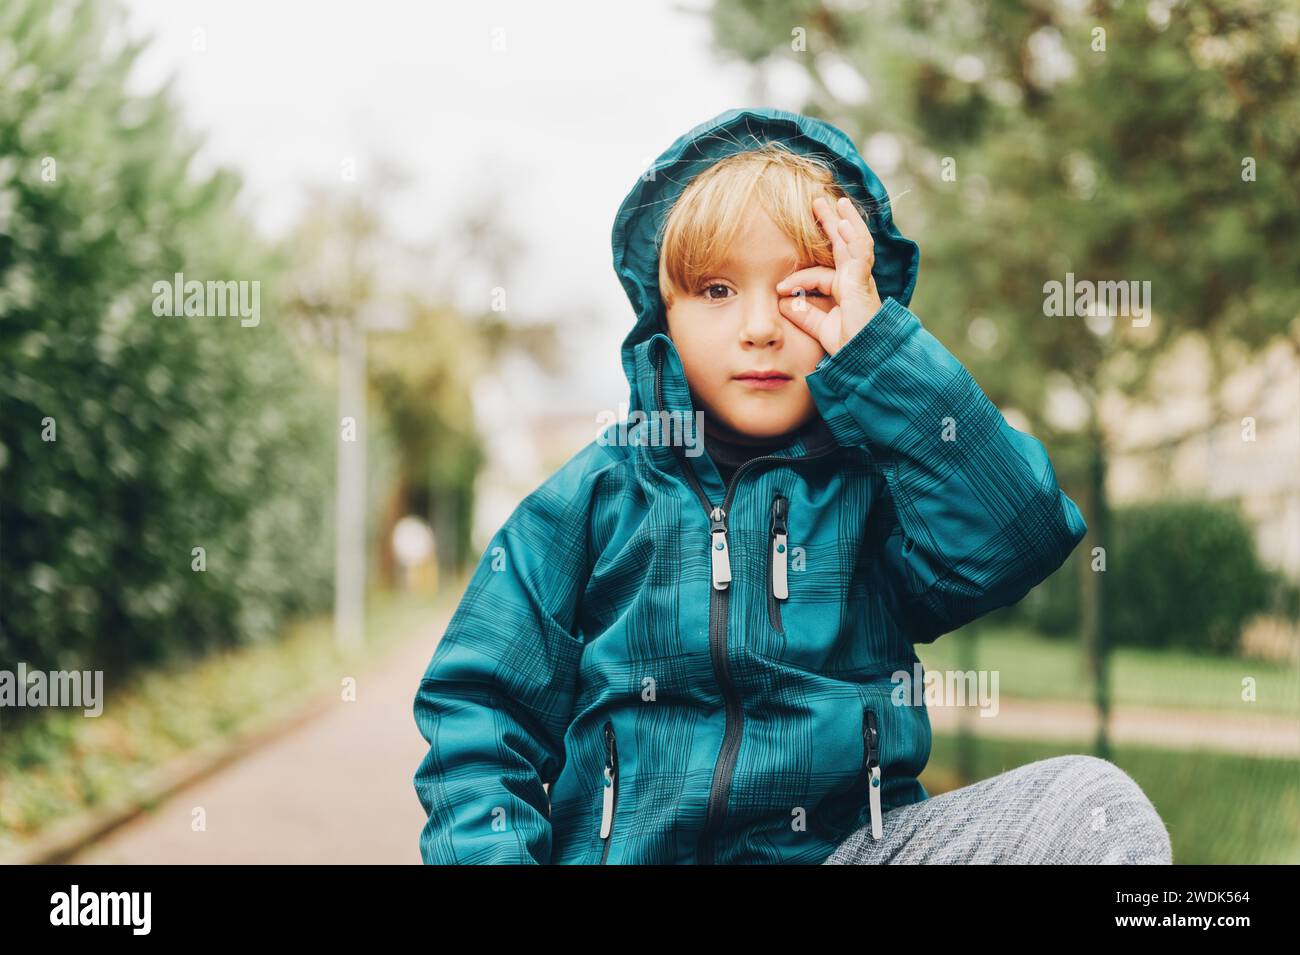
1076 809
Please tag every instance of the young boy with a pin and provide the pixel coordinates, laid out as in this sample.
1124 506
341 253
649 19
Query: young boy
699 653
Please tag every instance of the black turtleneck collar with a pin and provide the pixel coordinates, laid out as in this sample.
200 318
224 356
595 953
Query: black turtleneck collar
730 455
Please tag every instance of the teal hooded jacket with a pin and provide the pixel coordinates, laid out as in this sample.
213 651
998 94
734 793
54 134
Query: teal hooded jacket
652 667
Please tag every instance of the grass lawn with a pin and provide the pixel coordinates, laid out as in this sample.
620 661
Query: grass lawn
1218 808
1034 667
62 763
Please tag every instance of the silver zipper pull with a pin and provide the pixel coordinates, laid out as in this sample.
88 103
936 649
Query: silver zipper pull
607 807
718 549
872 740
780 546
877 830
607 811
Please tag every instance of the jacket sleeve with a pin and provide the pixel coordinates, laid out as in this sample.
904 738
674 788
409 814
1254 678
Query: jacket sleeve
497 695
975 517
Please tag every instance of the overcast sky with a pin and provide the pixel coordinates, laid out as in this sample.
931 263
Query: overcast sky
553 129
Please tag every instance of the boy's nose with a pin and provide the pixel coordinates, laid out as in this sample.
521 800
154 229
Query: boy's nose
761 324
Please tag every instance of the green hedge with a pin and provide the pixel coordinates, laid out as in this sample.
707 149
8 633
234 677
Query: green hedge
1179 573
171 433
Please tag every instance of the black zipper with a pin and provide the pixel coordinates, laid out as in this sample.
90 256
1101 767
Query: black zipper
609 796
778 548
725 767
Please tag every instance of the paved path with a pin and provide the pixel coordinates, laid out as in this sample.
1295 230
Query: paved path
336 790
1242 734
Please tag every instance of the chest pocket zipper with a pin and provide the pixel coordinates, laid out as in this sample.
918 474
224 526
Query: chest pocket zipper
778 561
610 789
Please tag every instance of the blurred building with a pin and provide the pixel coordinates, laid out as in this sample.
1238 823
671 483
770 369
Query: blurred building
1254 457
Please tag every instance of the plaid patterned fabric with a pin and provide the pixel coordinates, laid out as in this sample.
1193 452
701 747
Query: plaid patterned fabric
691 724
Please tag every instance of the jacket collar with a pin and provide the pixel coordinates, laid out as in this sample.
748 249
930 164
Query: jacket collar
662 387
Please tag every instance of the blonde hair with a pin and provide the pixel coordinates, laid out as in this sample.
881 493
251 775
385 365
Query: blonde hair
703 222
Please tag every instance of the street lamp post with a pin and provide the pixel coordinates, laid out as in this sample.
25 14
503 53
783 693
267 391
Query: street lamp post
350 492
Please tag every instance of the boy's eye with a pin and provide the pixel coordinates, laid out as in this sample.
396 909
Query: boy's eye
708 290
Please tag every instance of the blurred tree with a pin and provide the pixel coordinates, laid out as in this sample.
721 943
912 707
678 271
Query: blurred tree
1192 580
423 365
130 440
1126 142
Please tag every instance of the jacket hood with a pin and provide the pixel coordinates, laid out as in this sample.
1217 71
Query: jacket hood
640 217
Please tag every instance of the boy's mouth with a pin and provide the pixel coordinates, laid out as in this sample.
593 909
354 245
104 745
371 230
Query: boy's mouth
763 379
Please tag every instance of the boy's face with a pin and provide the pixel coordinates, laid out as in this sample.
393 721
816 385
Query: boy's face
731 327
